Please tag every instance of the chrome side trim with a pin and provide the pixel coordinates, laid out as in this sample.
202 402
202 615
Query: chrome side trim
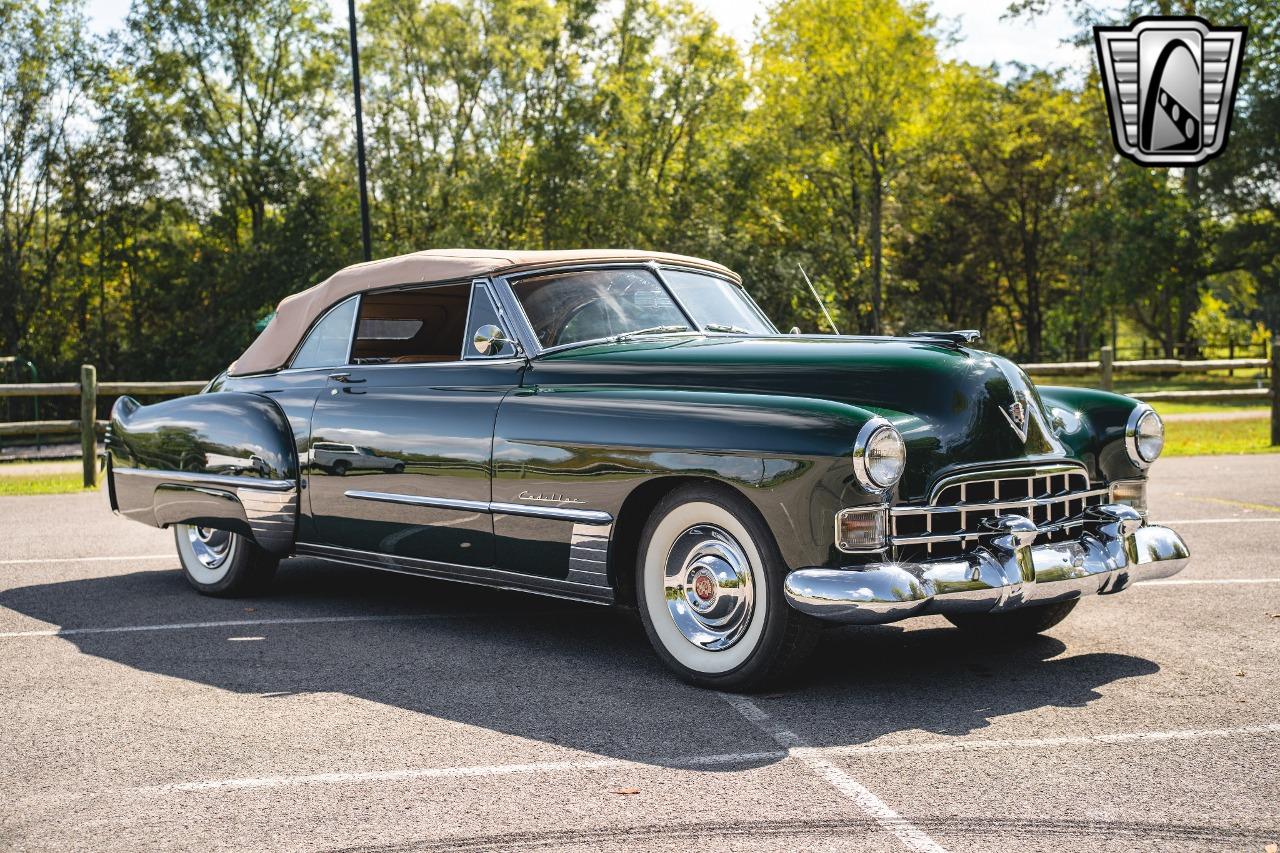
271 516
478 575
578 516
199 479
589 554
264 510
418 500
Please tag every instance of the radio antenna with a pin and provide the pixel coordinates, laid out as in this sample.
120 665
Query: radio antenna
818 299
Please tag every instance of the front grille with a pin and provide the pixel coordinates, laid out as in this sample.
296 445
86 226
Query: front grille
1053 498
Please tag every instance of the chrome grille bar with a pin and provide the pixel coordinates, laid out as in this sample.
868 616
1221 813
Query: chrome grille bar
970 507
935 538
1047 498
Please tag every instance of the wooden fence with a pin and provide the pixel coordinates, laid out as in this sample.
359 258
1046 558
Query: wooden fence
88 389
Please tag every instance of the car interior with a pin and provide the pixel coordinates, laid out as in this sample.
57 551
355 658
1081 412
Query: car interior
420 325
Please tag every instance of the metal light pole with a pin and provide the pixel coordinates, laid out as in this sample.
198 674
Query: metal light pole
355 82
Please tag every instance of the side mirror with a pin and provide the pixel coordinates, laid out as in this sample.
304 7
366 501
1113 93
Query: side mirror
489 339
795 330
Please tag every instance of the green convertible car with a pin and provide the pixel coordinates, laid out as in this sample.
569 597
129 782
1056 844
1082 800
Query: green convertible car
629 428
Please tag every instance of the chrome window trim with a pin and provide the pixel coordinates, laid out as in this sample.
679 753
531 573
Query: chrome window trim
481 285
578 516
351 337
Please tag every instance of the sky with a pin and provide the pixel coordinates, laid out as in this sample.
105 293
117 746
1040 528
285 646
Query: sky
985 38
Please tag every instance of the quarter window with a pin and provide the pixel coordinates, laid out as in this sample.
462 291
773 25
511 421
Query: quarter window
330 339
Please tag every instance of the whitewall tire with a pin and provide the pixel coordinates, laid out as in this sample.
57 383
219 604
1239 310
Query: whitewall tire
220 563
709 589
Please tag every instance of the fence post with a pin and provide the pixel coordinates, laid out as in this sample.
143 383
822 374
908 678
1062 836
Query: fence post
1108 356
1275 391
88 421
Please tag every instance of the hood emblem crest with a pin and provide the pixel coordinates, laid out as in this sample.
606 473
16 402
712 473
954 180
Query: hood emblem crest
1016 415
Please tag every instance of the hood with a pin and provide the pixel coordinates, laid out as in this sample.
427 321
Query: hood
952 404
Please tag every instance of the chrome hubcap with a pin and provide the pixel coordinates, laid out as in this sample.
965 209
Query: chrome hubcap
708 587
211 547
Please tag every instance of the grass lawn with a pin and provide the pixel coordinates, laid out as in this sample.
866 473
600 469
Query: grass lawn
1197 438
19 478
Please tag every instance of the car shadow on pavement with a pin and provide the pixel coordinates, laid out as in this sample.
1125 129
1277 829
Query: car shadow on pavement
557 672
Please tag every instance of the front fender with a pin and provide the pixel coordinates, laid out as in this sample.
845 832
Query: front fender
224 460
1095 435
591 447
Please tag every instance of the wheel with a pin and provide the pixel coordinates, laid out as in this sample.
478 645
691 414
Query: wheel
341 467
709 588
222 564
397 468
1023 622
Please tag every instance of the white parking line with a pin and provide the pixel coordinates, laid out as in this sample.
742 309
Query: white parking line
406 774
90 559
1046 742
725 759
875 808
230 623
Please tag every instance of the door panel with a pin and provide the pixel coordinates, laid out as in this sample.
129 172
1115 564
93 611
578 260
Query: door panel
399 460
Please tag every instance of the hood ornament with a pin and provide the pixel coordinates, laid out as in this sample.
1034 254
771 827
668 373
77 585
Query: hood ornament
1016 415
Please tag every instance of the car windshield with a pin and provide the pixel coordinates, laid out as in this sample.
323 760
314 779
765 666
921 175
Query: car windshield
587 305
717 305
584 305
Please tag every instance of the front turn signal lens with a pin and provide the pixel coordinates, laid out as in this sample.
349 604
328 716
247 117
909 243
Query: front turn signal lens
1130 493
860 530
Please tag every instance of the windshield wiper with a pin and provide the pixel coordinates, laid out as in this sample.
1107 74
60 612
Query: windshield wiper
652 330
725 327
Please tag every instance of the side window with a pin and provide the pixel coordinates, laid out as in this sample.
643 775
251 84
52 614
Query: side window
329 340
413 325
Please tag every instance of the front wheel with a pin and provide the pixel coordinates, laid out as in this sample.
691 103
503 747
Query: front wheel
1023 622
222 564
709 588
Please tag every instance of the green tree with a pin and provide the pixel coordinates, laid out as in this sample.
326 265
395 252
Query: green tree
47 70
840 84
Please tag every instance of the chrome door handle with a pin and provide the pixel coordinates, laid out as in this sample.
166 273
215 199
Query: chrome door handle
345 378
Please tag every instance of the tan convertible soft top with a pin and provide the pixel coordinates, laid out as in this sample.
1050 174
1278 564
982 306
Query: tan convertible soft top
296 313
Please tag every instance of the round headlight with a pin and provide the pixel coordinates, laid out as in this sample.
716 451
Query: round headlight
880 456
1144 436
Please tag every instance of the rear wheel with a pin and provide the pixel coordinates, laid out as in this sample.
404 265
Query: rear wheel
1023 622
222 564
709 585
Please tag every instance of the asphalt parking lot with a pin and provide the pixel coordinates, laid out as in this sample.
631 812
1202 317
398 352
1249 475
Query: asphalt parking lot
352 710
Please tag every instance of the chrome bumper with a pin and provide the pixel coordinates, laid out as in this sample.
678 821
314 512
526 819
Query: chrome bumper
1006 571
